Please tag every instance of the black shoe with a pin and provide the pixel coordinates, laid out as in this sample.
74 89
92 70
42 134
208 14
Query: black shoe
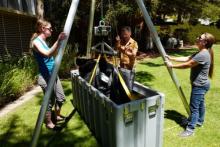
57 128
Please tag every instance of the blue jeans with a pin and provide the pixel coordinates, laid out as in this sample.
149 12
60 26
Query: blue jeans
197 106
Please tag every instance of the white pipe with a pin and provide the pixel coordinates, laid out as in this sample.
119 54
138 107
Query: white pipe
91 20
67 29
162 52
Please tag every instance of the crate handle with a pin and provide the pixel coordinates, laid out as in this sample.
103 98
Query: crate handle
153 109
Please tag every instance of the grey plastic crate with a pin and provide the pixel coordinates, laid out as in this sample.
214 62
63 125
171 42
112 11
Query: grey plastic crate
138 123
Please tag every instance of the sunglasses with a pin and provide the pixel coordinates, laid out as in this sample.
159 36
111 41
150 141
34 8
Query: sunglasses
201 39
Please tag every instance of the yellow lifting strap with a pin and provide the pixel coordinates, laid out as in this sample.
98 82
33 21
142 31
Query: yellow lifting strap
94 70
119 75
127 91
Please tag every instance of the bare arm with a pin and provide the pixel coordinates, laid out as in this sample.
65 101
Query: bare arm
53 49
41 50
179 59
189 64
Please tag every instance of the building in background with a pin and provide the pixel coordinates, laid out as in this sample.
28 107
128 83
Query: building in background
17 19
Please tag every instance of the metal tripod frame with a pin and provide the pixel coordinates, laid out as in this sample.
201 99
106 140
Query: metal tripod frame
58 59
104 45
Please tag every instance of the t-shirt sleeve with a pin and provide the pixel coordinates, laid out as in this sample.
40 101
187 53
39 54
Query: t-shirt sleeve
199 58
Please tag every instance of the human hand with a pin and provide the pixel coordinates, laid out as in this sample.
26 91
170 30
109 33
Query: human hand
168 63
128 48
117 38
167 56
122 48
61 36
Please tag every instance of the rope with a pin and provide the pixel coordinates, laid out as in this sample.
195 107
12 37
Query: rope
111 5
127 91
102 10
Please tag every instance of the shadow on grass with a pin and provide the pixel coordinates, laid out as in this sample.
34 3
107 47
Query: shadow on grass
16 136
69 137
151 64
144 77
62 126
181 52
11 132
176 116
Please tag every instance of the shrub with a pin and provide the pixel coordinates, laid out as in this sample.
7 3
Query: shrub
68 61
16 78
15 82
218 24
190 32
193 22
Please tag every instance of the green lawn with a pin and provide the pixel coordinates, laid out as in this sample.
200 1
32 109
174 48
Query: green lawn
16 128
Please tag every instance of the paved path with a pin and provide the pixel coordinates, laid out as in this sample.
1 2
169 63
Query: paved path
26 97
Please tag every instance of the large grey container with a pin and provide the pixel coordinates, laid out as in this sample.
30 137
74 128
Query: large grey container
138 123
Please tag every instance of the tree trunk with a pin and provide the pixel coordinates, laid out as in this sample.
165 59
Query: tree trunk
179 17
144 39
40 9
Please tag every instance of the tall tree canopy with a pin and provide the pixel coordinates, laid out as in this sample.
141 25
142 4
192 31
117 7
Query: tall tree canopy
126 12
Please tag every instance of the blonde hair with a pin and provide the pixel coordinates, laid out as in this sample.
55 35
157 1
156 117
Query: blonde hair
210 40
40 23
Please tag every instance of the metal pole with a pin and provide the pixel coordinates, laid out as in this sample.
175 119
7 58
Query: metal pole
102 15
67 29
89 37
162 52
20 5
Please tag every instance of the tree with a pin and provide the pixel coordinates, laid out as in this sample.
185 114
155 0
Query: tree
182 9
125 12
212 11
56 12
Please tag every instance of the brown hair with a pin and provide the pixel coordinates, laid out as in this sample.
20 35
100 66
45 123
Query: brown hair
210 40
40 23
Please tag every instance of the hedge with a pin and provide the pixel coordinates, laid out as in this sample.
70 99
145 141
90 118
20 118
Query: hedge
19 75
188 33
16 77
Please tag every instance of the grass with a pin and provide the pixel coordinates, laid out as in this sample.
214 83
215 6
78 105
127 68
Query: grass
151 72
16 128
